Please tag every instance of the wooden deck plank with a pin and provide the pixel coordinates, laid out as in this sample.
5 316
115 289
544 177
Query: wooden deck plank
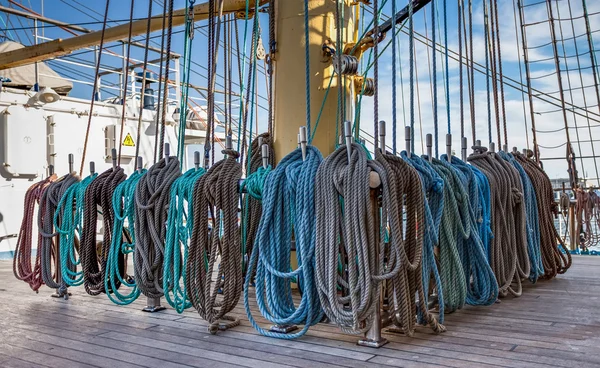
554 323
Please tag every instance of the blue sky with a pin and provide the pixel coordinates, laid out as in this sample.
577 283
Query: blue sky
550 125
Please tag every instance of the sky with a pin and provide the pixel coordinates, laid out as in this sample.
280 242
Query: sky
549 118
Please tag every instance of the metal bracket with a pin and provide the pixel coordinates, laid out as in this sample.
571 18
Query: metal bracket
153 305
284 329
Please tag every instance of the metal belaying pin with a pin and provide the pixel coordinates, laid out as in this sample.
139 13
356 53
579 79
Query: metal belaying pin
113 153
50 170
299 140
382 136
167 153
140 164
449 147
265 155
196 160
525 152
303 141
260 142
429 144
505 148
407 139
492 147
228 142
463 148
206 154
71 160
92 167
348 137
340 139
515 150
478 143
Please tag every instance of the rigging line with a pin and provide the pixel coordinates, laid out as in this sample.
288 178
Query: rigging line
487 68
520 73
241 71
376 73
125 80
493 60
338 61
591 48
307 65
501 73
166 84
429 69
570 89
250 87
394 104
434 72
471 71
94 91
411 43
143 89
460 68
419 105
215 50
447 71
402 85
160 79
559 78
583 90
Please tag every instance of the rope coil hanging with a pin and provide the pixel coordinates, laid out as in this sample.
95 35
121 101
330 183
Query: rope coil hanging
216 192
288 212
22 267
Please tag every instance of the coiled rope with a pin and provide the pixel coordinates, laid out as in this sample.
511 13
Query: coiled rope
94 257
123 204
68 219
532 221
349 228
554 260
22 267
403 195
217 192
464 199
152 195
50 247
179 231
288 212
433 190
508 256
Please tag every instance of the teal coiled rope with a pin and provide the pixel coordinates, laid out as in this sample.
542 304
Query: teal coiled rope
68 220
433 188
288 210
123 202
178 235
479 279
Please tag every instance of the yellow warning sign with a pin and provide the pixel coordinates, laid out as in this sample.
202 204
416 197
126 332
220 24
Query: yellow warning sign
128 141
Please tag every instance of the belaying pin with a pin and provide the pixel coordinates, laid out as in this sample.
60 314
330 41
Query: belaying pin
429 144
407 140
167 153
382 136
303 141
228 142
50 170
113 153
515 150
299 140
265 155
449 147
71 160
140 164
197 159
505 148
92 167
348 137
463 148
492 147
260 141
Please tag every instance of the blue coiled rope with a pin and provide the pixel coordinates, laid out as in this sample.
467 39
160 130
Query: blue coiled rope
70 213
433 189
178 235
532 221
482 286
288 210
123 202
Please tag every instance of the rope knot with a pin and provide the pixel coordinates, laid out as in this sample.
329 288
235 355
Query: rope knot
438 185
517 196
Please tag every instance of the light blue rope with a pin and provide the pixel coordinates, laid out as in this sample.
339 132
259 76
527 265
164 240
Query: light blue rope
433 190
123 202
532 221
70 213
288 207
178 235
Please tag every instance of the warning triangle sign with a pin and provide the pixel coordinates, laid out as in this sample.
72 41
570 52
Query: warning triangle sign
128 141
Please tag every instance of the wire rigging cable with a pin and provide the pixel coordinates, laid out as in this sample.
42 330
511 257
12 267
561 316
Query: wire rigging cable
288 212
94 257
216 192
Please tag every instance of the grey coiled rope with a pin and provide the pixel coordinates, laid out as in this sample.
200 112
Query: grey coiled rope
508 257
152 196
216 192
93 260
50 243
352 224
402 194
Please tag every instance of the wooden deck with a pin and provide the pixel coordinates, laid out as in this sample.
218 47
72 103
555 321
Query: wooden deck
554 323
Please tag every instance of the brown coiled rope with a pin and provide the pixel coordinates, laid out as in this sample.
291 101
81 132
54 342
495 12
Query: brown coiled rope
22 267
216 192
554 260
93 260
509 256
402 194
